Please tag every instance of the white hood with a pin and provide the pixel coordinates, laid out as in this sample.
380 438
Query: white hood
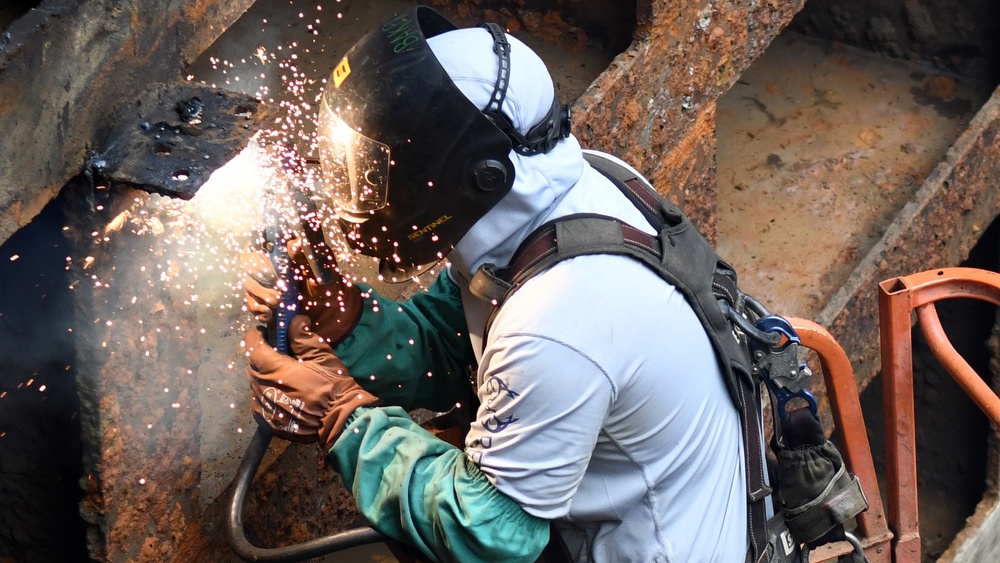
542 183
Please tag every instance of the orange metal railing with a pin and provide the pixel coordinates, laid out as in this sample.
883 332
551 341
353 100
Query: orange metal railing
895 537
845 403
899 298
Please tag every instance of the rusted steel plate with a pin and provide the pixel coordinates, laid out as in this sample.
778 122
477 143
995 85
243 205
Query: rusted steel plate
936 228
70 69
189 133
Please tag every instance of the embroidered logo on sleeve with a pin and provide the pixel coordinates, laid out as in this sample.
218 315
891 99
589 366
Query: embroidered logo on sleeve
499 394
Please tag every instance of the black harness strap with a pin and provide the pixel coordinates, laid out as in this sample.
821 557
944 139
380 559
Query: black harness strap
683 258
757 490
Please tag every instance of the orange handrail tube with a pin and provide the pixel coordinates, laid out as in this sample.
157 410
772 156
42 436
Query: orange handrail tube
899 299
845 403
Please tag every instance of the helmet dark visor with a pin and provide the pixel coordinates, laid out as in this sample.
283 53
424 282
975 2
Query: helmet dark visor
355 167
409 162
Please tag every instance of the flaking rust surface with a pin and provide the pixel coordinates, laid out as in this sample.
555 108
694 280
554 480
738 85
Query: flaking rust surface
295 499
655 105
137 344
312 496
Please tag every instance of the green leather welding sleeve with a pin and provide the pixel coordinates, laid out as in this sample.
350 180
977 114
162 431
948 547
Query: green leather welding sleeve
413 353
420 490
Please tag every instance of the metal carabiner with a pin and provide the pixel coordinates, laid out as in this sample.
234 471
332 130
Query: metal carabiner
859 550
784 396
779 364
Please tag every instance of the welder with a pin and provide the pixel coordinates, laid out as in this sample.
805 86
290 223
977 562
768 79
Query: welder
602 420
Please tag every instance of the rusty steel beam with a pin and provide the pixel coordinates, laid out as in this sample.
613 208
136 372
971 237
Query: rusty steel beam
899 298
73 71
655 105
938 227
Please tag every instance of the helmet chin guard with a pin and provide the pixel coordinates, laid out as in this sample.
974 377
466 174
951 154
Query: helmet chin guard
405 154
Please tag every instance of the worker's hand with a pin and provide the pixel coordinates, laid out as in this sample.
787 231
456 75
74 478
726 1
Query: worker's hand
334 309
308 397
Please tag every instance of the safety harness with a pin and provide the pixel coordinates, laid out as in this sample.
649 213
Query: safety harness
751 346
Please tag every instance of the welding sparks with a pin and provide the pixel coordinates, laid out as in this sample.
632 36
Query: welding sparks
117 223
261 54
193 245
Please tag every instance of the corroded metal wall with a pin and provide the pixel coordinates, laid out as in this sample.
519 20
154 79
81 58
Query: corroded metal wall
142 343
655 105
959 36
70 70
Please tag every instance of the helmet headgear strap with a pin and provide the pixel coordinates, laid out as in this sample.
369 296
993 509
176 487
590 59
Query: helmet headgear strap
542 137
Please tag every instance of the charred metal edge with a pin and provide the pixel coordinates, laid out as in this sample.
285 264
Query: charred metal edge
60 106
189 132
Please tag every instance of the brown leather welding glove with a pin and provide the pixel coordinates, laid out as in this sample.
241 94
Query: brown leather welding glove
308 397
334 308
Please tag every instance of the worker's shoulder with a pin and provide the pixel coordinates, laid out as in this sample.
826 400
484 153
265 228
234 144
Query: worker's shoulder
606 277
592 294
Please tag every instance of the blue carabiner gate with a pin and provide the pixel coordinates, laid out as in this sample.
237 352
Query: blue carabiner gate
779 365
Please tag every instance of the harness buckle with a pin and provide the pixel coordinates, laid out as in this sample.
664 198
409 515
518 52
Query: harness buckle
489 284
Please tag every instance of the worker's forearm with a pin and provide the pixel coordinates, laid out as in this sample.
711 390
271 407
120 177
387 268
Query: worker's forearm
412 353
423 491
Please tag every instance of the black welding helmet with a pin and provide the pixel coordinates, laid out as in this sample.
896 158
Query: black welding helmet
408 161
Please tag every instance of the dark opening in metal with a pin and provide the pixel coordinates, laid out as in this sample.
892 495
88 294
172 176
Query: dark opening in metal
13 9
40 447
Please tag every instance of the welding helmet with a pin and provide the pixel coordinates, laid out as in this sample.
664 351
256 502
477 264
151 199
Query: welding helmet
409 163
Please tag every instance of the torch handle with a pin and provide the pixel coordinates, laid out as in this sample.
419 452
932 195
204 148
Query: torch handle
322 268
277 330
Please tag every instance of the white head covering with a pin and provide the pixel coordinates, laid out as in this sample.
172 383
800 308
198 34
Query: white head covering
539 181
